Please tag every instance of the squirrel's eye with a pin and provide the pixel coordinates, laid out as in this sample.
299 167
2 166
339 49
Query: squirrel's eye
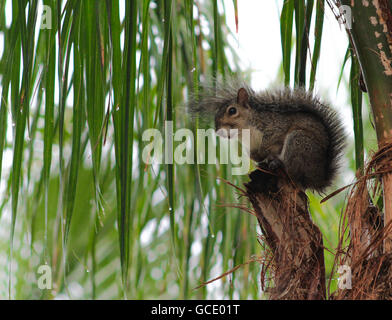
232 111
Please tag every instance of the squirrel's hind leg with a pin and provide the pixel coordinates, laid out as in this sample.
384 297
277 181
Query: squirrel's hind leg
304 159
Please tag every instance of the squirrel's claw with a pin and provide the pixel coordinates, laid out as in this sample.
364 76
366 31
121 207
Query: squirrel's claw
271 163
275 164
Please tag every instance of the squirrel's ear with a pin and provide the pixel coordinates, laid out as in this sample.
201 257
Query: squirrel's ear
242 97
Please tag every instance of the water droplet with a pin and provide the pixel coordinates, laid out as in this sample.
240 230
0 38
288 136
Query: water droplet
212 236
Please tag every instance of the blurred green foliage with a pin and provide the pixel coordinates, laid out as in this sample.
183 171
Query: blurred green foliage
75 193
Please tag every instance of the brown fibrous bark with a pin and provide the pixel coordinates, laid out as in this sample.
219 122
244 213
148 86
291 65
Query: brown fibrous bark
363 235
295 242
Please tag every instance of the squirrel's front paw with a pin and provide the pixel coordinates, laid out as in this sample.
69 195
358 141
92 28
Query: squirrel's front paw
271 163
275 163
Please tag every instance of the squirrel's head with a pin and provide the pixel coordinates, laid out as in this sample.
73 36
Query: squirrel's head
234 115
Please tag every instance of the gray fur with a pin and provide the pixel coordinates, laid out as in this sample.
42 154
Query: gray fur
306 133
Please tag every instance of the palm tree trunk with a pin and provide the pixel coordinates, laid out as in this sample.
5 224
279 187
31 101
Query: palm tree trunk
371 37
296 243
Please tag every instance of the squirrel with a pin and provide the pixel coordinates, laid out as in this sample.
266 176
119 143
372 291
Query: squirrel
289 129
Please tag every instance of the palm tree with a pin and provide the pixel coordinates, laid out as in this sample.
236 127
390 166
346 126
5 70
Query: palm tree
82 214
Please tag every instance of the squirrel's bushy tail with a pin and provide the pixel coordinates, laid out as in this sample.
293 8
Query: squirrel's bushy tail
337 140
305 101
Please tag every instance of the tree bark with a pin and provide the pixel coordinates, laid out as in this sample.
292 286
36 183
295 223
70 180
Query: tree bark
371 37
295 241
